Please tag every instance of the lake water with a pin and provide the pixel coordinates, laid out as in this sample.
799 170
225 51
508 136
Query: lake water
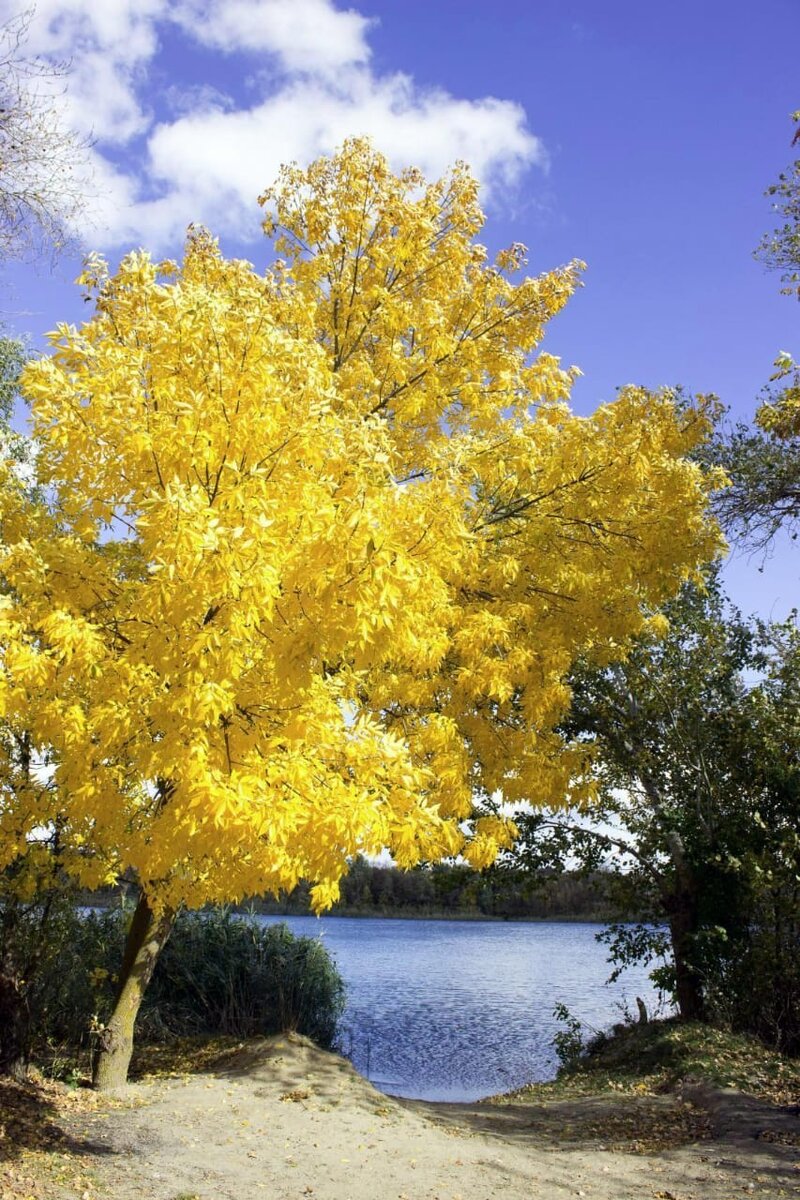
457 1010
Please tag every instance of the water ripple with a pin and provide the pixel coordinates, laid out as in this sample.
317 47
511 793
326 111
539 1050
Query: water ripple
457 1010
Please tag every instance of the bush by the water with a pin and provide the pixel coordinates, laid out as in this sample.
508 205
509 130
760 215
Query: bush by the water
219 974
657 1056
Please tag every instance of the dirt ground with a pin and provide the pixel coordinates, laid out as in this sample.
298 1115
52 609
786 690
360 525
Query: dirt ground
284 1120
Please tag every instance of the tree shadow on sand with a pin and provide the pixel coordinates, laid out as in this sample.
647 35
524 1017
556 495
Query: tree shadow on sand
632 1124
29 1121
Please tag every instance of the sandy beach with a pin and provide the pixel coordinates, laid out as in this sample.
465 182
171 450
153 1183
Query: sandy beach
282 1119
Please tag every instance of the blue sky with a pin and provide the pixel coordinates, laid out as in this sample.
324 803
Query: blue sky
638 137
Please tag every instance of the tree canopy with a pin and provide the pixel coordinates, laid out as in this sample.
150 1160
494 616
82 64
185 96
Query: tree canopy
697 816
763 463
318 548
312 533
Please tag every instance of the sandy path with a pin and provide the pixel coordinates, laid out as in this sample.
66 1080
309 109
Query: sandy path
283 1120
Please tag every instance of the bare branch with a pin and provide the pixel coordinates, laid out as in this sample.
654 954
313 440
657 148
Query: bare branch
42 162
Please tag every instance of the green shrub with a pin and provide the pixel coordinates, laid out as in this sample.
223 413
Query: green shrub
218 974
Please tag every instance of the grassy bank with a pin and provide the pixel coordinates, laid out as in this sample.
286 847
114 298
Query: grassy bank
657 1057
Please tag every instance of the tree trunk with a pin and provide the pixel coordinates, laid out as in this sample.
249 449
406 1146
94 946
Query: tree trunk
15 1015
147 937
681 905
14 1028
688 984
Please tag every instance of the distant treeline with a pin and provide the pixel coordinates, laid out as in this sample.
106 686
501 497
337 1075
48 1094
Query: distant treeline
458 891
443 890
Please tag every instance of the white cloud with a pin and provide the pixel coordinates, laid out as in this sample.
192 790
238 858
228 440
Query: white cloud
193 154
225 159
184 100
107 45
307 35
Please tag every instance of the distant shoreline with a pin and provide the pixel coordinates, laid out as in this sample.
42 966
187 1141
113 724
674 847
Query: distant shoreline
108 900
443 892
487 918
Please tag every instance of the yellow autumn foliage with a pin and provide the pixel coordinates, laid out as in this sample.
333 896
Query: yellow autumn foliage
321 544
780 416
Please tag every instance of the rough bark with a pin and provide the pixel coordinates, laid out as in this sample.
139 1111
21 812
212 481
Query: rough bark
681 905
146 939
688 984
14 1027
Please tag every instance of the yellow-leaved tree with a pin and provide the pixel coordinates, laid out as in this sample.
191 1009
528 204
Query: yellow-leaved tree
322 545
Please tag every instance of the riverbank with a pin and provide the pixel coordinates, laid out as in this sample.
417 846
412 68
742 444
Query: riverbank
261 908
283 1119
434 915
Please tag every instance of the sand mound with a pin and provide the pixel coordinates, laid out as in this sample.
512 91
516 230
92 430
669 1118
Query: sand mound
289 1067
282 1119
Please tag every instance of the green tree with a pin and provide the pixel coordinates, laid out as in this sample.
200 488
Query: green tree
697 778
780 249
759 986
764 496
763 463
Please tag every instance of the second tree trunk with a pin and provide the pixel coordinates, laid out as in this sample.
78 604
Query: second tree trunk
147 937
